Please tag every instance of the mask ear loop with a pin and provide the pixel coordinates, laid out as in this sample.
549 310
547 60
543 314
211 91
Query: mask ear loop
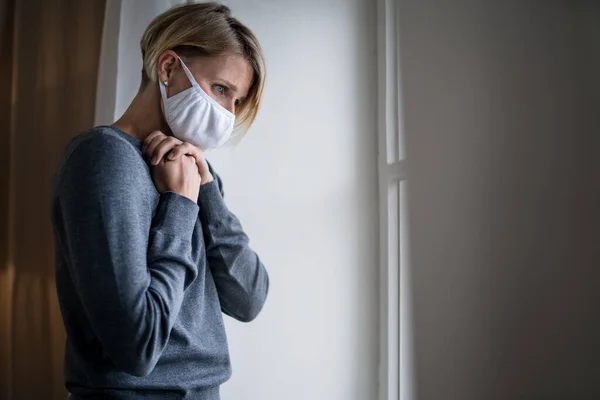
188 74
163 84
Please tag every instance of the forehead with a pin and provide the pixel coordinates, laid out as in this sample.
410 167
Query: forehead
234 69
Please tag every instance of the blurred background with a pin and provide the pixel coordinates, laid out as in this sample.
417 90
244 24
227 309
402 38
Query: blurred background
422 184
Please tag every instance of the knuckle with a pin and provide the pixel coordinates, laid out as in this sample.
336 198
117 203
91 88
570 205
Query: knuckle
155 134
165 145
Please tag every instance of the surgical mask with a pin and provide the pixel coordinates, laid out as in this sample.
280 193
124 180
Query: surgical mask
195 117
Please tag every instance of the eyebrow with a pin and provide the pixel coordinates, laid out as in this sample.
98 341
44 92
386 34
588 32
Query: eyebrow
234 88
231 85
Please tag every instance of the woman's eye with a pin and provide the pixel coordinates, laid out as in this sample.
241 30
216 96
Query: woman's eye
220 89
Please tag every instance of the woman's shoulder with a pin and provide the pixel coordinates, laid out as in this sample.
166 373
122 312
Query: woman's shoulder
102 137
103 143
102 150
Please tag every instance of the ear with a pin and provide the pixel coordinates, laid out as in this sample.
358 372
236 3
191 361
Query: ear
167 63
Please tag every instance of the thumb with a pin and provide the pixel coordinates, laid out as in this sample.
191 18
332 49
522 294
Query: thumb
204 170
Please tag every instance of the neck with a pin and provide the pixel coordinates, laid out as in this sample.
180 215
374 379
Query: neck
144 115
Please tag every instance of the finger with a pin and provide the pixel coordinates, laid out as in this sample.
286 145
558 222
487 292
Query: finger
202 166
163 148
185 148
151 146
150 139
204 170
190 159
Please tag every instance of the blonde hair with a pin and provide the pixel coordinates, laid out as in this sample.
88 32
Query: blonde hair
205 29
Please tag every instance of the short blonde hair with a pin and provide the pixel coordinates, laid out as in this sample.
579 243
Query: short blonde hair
205 29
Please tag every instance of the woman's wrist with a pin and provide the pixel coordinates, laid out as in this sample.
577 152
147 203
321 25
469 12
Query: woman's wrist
207 179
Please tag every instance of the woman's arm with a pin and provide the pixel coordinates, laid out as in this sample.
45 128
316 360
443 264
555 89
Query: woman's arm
241 279
130 269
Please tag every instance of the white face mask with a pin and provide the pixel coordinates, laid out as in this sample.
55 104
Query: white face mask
195 117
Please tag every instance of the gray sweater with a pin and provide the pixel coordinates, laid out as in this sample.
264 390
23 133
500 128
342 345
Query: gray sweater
142 278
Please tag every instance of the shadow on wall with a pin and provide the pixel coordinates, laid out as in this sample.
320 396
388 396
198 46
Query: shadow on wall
504 159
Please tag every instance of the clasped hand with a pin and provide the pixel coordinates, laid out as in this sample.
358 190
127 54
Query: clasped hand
177 166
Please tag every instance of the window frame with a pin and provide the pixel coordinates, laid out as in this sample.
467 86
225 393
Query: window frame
395 367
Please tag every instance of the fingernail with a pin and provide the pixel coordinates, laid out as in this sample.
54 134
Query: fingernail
155 160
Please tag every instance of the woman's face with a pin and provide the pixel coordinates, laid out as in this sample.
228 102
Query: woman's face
227 78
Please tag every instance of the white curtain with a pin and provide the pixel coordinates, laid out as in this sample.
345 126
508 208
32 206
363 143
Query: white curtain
124 24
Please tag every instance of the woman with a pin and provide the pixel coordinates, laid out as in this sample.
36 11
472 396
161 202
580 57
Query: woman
147 254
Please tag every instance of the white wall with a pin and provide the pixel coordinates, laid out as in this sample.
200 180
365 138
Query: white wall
501 116
121 60
304 184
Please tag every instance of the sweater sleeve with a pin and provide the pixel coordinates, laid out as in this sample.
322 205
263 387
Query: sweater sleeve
241 278
130 268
